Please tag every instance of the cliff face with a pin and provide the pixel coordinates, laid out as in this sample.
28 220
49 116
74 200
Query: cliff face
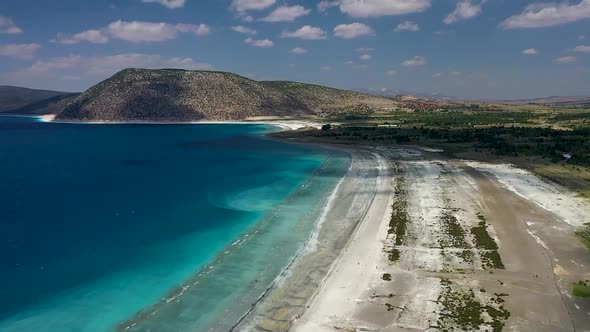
181 95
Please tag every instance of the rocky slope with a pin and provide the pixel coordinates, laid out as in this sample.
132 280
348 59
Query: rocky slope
181 95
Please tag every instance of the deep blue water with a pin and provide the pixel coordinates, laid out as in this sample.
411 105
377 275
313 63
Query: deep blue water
100 222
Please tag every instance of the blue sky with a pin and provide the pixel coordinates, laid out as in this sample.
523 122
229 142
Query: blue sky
497 49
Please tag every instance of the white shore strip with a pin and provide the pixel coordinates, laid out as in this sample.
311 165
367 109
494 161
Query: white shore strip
283 124
352 272
550 196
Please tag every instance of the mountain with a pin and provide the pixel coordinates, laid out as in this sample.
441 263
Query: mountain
554 100
183 95
399 93
51 105
12 97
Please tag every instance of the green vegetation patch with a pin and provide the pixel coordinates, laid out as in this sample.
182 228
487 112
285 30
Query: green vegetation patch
584 235
574 177
386 277
462 310
394 255
543 151
491 260
529 141
581 288
399 217
577 117
490 257
483 240
455 235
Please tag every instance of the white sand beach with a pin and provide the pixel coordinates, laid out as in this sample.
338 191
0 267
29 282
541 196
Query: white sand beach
524 272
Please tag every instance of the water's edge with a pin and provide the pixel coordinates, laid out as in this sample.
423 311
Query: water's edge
144 319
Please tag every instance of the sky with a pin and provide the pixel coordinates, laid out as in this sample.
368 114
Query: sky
475 49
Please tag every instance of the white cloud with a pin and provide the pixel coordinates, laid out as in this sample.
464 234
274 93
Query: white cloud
298 50
7 26
416 61
245 5
306 32
581 37
286 14
379 8
349 63
21 51
582 49
92 36
325 4
353 30
407 26
244 30
566 59
465 10
364 49
548 14
98 67
437 75
530 51
54 64
172 4
365 57
326 68
391 72
135 32
262 43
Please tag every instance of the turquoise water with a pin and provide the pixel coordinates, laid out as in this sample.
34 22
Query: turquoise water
149 227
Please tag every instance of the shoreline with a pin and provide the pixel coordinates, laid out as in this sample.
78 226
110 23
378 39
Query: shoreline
284 124
520 208
304 250
134 322
182 291
286 300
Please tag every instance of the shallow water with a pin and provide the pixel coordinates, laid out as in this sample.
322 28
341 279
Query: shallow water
101 222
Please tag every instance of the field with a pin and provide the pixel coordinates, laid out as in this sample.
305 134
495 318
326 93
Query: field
461 115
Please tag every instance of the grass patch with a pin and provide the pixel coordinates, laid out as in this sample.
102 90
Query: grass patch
573 177
492 260
581 288
463 311
452 228
584 235
455 236
483 240
386 277
488 248
399 217
394 255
